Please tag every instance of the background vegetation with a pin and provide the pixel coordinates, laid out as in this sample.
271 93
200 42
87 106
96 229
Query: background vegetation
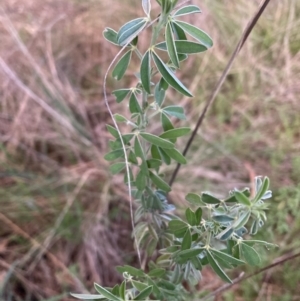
64 221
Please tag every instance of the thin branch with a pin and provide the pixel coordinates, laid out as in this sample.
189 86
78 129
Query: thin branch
221 81
241 279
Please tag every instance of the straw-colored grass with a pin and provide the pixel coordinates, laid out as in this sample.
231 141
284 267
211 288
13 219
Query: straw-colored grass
61 227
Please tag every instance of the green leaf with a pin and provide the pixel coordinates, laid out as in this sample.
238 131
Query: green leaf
169 76
130 30
242 220
164 156
176 224
117 167
120 118
194 199
249 254
155 152
130 270
223 218
145 72
119 153
184 47
138 148
260 242
198 215
166 122
232 198
139 285
175 111
121 94
163 85
176 155
134 106
159 272
191 217
226 257
112 131
157 141
196 33
263 189
141 180
209 199
144 293
216 267
241 198
178 32
122 65
188 254
175 133
159 95
186 10
171 45
122 290
105 293
110 35
225 234
186 241
159 182
146 6
87 297
154 163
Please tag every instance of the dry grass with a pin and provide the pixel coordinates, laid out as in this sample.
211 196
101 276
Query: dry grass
60 227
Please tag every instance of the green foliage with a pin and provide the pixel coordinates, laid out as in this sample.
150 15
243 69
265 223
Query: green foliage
213 231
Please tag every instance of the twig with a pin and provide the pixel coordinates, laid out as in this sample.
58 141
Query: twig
239 280
219 84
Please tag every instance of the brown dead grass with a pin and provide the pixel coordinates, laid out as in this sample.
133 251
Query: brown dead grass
52 133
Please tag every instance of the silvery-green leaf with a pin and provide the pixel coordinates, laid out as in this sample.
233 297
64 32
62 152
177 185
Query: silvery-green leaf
249 254
196 33
121 94
117 167
130 30
145 72
194 199
175 111
130 270
178 32
242 220
112 131
111 35
169 76
226 257
119 153
241 198
216 267
184 47
105 293
171 45
175 133
209 199
157 140
186 10
120 118
122 65
87 297
166 122
262 189
191 217
144 293
146 6
225 234
134 106
159 95
159 182
176 155
186 241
